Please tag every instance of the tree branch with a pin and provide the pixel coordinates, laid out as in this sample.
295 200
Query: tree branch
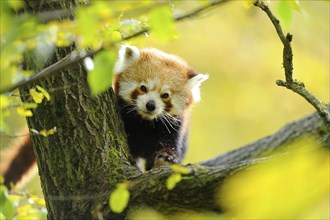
78 55
150 188
290 83
309 125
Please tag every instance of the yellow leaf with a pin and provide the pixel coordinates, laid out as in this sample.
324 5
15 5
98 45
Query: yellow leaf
180 169
36 96
248 3
116 36
119 199
43 132
173 180
122 185
50 131
44 92
4 101
40 202
24 112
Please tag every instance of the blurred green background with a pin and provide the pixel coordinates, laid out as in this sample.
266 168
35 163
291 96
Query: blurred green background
240 50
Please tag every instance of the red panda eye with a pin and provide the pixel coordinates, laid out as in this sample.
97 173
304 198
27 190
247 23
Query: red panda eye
143 88
165 95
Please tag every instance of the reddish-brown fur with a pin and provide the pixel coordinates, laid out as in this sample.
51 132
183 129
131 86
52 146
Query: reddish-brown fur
17 161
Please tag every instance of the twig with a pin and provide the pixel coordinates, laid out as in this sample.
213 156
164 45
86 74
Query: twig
78 55
290 83
74 57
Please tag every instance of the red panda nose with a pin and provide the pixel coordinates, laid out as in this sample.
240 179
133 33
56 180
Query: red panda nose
151 105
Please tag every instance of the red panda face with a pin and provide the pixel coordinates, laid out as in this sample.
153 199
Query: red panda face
154 83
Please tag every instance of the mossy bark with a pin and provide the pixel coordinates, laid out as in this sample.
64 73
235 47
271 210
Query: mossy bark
83 159
88 154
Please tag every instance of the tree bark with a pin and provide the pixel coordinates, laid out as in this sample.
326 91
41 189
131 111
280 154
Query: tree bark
86 154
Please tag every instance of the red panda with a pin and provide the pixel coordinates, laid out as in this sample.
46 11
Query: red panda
155 92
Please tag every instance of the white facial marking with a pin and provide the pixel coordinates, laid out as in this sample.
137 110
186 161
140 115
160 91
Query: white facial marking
152 84
178 105
141 103
126 89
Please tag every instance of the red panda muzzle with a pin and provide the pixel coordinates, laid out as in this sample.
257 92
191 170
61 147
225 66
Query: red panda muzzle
151 105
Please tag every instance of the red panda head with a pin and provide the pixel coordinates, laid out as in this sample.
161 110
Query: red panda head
155 83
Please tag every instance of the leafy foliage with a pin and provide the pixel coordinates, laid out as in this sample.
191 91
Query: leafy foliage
20 205
176 177
98 24
100 78
119 198
285 10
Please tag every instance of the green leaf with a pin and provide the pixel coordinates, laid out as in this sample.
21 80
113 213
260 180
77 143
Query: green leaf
180 169
86 24
6 206
173 180
295 4
15 4
30 105
119 199
4 113
161 22
100 78
285 13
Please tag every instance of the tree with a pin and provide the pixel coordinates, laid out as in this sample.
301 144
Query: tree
83 162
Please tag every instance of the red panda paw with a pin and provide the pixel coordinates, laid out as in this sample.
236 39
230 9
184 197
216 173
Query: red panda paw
165 158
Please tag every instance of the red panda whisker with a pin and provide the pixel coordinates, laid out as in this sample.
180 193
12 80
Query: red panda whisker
169 122
164 123
172 119
133 108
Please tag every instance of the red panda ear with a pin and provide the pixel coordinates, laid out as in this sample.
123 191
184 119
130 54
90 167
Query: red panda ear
126 57
194 84
191 73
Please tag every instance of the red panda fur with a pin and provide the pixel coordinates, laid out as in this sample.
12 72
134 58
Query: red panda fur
155 93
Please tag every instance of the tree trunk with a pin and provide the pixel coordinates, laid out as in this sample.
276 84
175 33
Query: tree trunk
85 156
82 162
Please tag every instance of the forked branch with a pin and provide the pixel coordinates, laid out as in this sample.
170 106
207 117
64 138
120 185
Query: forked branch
290 83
